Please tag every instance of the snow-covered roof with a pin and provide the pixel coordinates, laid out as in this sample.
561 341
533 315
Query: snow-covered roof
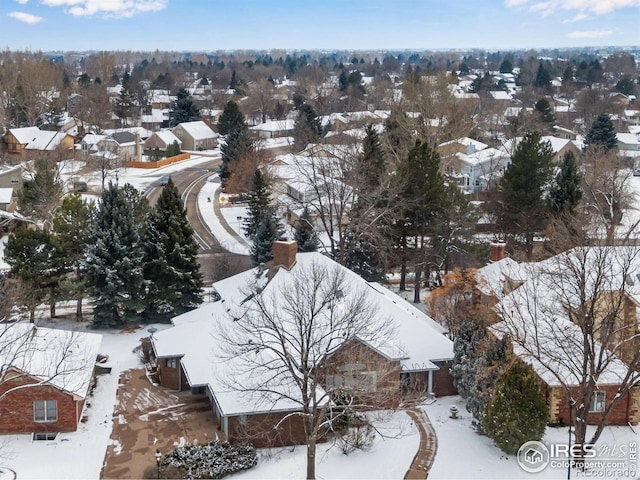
25 135
416 341
274 126
466 141
198 130
500 95
62 358
628 138
167 137
557 144
46 140
491 278
488 155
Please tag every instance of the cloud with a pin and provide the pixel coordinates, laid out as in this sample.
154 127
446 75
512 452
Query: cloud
584 7
590 34
22 2
107 8
25 17
577 18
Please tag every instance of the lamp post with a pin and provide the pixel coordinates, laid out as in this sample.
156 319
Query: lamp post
572 404
158 457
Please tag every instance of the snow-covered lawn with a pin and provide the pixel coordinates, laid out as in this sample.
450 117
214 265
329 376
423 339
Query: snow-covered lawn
462 453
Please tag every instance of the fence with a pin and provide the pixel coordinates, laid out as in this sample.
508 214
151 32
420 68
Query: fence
159 163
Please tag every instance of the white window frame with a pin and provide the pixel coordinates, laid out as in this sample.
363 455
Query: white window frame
598 401
50 409
172 363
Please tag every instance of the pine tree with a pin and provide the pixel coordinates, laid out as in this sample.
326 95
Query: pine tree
466 352
258 208
267 233
115 262
124 104
546 112
237 146
307 127
304 233
28 252
171 268
565 193
40 196
184 109
521 208
543 78
602 134
373 158
506 66
364 258
518 412
72 227
231 119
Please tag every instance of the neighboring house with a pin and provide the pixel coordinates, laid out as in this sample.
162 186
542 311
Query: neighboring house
119 144
537 302
6 198
45 377
89 143
560 146
21 141
161 140
274 128
196 136
10 176
414 357
628 144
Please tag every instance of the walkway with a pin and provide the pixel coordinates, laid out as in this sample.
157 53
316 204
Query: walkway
423 461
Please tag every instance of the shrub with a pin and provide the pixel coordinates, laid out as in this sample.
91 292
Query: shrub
517 412
212 460
357 438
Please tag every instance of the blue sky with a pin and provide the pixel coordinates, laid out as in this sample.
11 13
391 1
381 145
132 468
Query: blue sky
209 25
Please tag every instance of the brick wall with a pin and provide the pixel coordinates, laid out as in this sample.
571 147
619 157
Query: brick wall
443 381
626 411
17 412
259 429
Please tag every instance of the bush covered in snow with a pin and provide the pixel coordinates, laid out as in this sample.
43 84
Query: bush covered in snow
212 460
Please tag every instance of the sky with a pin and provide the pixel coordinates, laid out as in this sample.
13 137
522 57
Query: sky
210 25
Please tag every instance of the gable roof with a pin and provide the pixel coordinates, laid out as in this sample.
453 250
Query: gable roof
198 130
166 136
62 358
25 135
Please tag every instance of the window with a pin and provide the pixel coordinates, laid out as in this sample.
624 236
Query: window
45 436
354 381
45 410
172 363
597 402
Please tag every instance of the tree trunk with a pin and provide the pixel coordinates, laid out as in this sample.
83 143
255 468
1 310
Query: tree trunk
32 315
52 310
311 458
79 310
417 280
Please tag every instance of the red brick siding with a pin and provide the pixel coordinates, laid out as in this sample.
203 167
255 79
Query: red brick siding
17 413
624 412
387 392
259 430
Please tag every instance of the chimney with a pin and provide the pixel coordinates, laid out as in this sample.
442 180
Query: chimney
497 251
284 253
471 149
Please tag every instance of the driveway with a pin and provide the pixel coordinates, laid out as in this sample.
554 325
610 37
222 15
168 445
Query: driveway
148 417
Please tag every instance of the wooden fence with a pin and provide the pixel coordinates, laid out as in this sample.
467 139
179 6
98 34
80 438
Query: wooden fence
160 163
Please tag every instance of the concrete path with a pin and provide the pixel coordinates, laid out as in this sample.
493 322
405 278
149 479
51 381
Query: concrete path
423 460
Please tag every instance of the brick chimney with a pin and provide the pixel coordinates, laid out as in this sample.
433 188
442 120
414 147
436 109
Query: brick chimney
138 151
497 251
284 253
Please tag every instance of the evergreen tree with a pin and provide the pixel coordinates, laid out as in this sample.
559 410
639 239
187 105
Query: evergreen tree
626 86
566 193
364 258
521 208
28 252
307 127
39 197
268 232
546 112
602 134
173 149
543 78
506 66
184 109
304 233
518 412
373 158
466 352
72 227
115 262
171 267
238 144
259 205
124 104
231 119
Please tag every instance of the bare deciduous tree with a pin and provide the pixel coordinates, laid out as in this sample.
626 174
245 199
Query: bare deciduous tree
571 321
280 340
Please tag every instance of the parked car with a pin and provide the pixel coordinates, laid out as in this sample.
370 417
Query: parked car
164 180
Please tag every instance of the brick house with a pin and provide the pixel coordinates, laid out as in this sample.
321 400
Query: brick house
45 377
412 358
541 313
